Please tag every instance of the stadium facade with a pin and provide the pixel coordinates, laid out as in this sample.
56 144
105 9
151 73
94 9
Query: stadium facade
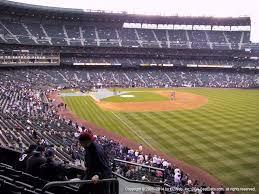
77 37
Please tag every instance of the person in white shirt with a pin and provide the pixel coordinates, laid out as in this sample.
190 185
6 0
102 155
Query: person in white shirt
158 161
76 134
177 178
198 190
136 153
146 157
177 171
189 182
140 158
154 159
80 130
165 164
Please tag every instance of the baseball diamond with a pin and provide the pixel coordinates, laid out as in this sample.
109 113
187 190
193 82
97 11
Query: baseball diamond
220 136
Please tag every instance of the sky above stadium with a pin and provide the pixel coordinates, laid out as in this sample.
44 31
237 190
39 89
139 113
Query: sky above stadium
216 8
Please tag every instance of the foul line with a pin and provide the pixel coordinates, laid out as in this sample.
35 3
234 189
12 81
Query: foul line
133 130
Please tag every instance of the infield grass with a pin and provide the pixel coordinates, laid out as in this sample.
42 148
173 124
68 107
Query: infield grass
146 96
221 137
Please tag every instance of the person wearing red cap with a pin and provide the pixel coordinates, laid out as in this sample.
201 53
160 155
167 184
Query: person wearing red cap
97 165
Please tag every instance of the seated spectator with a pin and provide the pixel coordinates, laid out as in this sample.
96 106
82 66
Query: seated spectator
159 173
189 182
35 161
34 134
144 178
164 163
27 154
52 170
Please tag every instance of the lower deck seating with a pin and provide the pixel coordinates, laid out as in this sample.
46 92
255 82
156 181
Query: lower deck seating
13 181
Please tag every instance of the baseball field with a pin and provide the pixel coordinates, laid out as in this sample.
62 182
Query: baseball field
214 129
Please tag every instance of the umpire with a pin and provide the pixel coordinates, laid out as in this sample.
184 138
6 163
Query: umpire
96 164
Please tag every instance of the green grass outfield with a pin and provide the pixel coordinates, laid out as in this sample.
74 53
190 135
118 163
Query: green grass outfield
221 137
139 96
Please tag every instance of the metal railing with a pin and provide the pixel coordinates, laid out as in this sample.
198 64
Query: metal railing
114 187
114 182
139 181
163 186
136 164
143 166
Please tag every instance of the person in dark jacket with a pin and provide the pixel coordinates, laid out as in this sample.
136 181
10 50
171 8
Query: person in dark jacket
25 155
97 166
52 170
35 161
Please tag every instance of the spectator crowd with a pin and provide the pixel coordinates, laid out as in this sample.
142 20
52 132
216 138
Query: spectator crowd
29 121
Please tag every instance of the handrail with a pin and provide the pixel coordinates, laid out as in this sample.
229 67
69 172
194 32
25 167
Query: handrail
162 185
142 165
63 183
138 181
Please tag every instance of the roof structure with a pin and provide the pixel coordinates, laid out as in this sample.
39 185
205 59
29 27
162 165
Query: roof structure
22 9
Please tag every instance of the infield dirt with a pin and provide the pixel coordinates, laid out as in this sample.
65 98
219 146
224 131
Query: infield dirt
184 101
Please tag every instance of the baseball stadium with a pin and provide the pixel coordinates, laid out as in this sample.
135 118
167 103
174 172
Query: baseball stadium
99 102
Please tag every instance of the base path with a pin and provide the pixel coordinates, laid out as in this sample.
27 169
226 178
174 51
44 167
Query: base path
194 172
184 101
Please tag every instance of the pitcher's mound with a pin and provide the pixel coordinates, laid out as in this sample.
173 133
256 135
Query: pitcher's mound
184 101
